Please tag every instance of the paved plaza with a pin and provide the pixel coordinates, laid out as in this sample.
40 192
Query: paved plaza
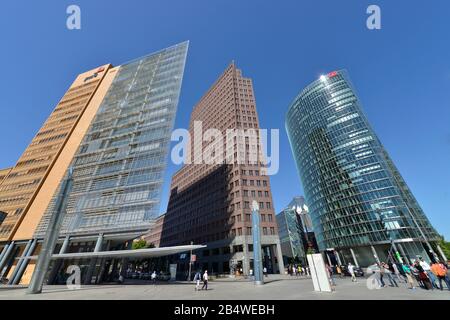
276 288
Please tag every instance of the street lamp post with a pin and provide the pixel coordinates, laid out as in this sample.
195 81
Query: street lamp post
190 263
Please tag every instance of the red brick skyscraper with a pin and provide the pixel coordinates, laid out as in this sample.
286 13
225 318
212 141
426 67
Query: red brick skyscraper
211 203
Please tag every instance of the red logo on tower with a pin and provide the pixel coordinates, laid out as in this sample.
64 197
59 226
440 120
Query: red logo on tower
332 74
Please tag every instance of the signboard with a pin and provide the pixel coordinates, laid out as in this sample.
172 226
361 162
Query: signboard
193 258
319 274
173 272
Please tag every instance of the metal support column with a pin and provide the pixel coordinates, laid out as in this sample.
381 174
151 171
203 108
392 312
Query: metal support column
58 263
5 248
51 237
403 253
19 262
441 253
338 258
354 257
24 262
102 264
5 258
98 248
375 255
280 258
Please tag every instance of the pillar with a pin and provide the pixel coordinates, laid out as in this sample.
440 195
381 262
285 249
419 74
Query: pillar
338 258
24 262
19 262
58 263
441 253
375 255
403 253
5 248
90 271
102 265
354 257
328 257
280 258
5 258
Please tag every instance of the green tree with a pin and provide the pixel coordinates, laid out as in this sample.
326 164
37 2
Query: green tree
139 244
445 246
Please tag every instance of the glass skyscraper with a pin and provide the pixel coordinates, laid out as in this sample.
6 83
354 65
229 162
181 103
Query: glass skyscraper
119 167
361 207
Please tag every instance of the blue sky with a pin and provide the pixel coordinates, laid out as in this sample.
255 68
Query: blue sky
401 72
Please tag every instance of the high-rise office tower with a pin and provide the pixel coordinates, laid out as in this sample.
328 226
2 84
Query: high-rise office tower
361 207
210 203
112 129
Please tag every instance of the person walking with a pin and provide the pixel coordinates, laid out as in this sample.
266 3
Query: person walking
409 276
339 271
427 268
351 270
396 272
205 280
381 274
440 272
330 274
197 279
423 277
265 271
153 277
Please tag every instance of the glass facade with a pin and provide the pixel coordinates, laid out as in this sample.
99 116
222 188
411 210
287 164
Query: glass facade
119 167
290 233
356 196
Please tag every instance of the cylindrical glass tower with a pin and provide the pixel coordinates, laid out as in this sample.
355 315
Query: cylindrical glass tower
360 205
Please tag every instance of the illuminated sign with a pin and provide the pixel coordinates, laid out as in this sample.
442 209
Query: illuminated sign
332 74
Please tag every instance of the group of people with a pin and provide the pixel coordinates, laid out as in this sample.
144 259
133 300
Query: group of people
419 273
297 270
198 278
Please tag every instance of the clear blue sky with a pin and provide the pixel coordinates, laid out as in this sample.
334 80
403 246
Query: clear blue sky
402 72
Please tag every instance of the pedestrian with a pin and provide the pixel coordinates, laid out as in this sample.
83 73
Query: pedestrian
440 271
265 271
330 275
388 273
299 270
197 279
381 274
351 270
427 268
409 276
396 272
339 271
205 280
423 277
153 277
